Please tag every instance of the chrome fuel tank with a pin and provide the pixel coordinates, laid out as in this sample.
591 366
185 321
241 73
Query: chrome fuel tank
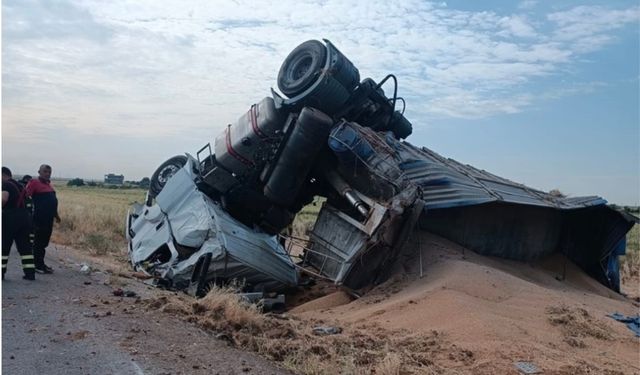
241 144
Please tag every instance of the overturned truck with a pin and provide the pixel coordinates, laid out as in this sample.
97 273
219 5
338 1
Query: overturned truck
216 217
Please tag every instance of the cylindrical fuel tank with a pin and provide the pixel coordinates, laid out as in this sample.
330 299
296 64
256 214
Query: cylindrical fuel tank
236 147
306 140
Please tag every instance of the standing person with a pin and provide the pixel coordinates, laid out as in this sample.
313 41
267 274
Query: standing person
25 180
16 225
45 211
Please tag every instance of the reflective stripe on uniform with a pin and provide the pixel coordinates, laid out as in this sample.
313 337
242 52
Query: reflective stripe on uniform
5 257
27 261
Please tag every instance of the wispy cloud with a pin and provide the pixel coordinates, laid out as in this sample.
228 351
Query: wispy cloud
148 68
527 4
585 28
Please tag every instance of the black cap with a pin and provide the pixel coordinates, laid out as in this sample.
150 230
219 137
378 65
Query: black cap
6 171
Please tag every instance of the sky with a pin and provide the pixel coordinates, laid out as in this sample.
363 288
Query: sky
545 93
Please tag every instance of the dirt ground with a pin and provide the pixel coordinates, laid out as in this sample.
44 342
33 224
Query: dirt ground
493 312
456 313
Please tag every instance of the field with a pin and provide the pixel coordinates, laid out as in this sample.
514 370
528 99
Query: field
93 218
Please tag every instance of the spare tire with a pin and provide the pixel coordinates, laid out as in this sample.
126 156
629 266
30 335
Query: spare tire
302 67
164 172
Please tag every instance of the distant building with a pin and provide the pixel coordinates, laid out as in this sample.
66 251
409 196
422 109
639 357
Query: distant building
114 179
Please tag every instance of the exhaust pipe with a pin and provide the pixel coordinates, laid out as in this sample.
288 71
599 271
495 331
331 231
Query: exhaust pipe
343 188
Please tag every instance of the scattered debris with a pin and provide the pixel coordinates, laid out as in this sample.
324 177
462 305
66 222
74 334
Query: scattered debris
633 322
124 293
527 368
269 302
225 337
326 330
94 314
141 275
85 269
80 335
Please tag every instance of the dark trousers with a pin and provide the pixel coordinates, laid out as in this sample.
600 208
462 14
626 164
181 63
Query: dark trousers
16 227
42 230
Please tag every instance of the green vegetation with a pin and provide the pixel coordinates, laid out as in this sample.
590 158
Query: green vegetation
76 182
304 219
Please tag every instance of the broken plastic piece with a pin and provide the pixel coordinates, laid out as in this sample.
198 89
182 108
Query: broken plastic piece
85 269
326 330
527 368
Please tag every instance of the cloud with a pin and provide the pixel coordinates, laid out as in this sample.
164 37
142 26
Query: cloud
32 19
131 68
516 26
584 28
527 4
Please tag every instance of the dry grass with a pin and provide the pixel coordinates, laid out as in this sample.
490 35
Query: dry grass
223 307
93 218
576 323
390 365
289 341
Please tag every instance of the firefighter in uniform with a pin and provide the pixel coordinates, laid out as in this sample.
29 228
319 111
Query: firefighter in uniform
45 204
16 225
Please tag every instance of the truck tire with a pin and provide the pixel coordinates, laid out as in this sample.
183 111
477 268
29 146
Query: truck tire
164 172
301 68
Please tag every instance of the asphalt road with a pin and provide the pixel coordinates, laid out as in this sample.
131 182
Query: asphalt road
70 323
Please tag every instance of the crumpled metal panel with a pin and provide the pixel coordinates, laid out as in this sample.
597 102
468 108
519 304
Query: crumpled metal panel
254 249
447 183
336 244
184 206
187 216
